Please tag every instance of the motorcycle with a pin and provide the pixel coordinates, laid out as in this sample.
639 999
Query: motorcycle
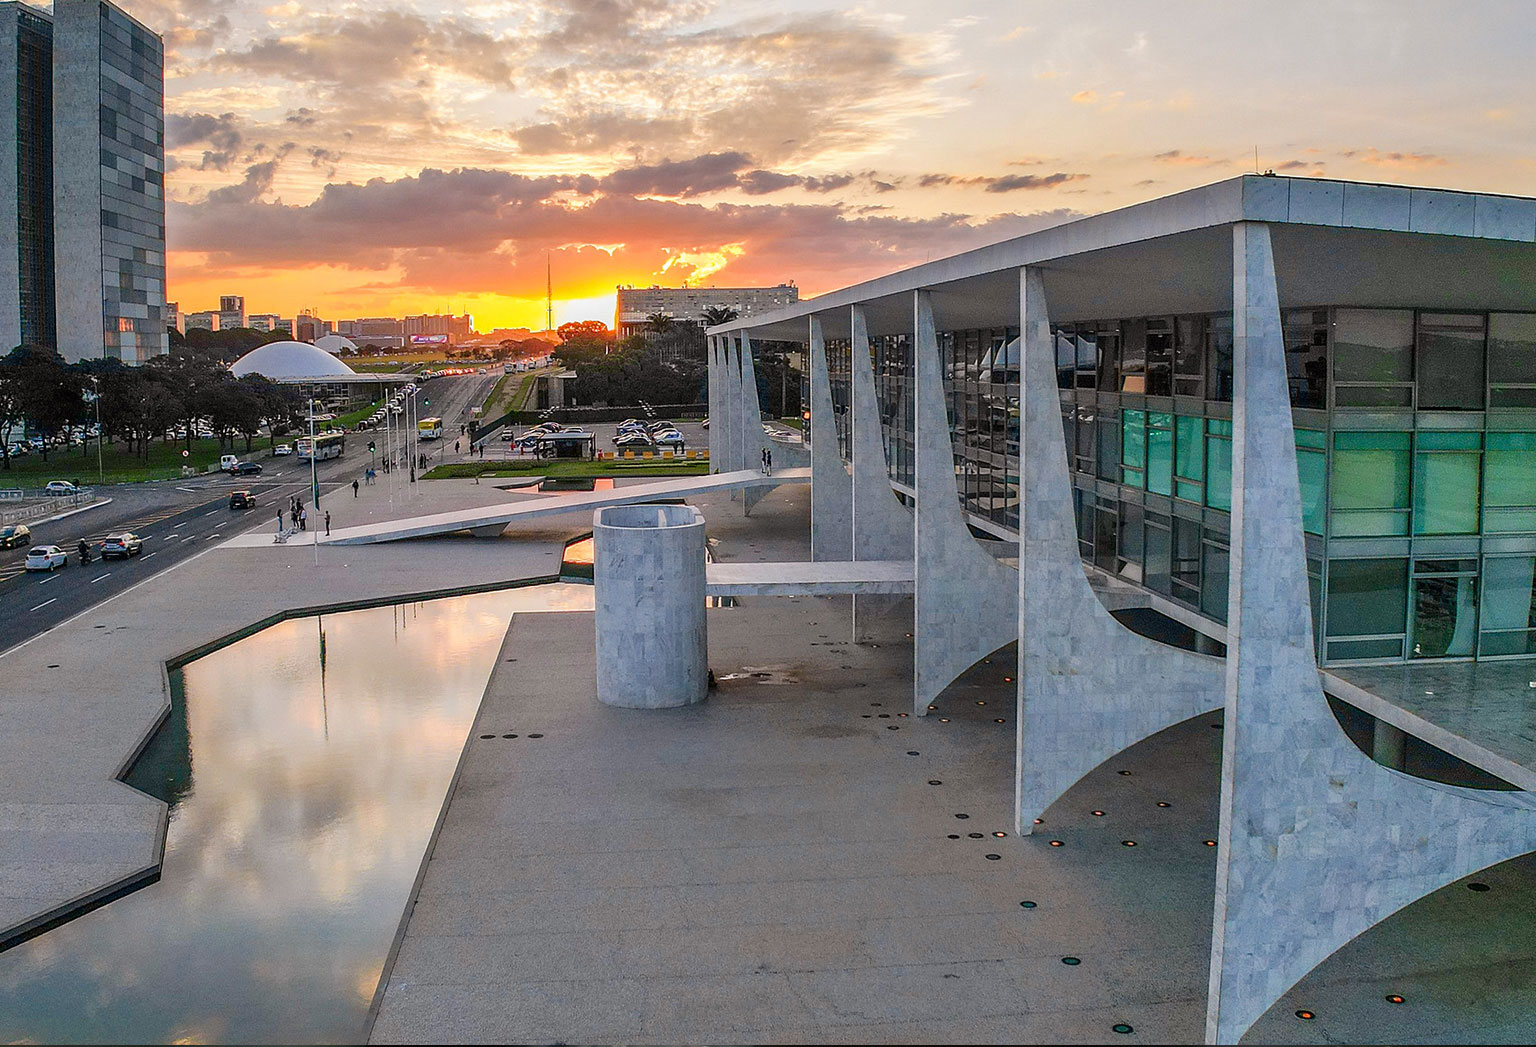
85 552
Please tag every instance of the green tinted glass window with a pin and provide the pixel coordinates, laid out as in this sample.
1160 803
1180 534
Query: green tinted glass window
1189 456
1446 483
1367 597
1509 482
1133 446
1312 469
1218 464
1370 485
1160 453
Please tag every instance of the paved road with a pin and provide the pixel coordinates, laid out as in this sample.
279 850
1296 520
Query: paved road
176 519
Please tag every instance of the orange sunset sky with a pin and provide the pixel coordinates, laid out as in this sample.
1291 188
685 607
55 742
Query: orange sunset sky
382 157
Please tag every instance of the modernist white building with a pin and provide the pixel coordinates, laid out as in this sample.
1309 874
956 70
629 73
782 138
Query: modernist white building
635 305
1285 429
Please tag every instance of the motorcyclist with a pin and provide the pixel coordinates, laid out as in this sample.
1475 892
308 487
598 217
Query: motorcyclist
85 551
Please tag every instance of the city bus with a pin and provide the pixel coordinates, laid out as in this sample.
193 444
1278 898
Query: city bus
429 429
326 445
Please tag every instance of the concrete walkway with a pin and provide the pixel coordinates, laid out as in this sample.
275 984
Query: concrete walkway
490 520
808 578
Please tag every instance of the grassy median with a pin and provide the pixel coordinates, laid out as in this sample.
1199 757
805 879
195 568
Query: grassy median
559 469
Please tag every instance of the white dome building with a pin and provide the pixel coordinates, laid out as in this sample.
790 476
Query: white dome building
291 362
335 344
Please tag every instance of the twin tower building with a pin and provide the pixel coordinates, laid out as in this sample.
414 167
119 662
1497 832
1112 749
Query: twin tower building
82 182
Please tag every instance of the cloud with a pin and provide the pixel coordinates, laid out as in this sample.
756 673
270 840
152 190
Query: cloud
471 231
1180 158
1405 161
222 134
703 174
1002 184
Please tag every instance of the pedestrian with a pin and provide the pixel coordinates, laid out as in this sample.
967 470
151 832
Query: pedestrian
354 488
765 461
279 521
303 519
327 523
768 459
293 517
455 447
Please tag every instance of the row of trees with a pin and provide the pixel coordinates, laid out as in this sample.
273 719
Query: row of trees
42 396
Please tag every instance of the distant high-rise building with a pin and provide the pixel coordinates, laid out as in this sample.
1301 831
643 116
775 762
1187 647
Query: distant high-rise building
205 321
456 328
26 178
232 311
82 239
635 305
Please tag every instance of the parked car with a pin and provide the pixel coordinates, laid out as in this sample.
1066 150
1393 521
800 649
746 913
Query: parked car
46 558
14 535
632 440
671 436
282 450
705 423
241 500
246 469
125 545
57 487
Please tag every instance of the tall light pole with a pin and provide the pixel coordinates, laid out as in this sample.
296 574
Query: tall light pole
411 435
314 476
101 474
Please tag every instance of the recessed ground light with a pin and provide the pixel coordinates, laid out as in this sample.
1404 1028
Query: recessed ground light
934 781
1098 814
535 736
954 836
1039 821
1429 692
1478 887
509 736
903 715
943 719
1071 961
1164 803
911 752
1394 998
1000 836
1215 726
1210 843
999 720
1305 1016
994 857
986 661
981 703
1122 1028
909 636
875 704
962 817
55 665
1056 843
1126 774
884 716
974 836
933 708
1007 679
893 727
1026 905
487 736
1127 843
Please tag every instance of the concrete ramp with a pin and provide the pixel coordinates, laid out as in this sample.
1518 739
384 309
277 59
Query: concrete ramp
811 578
489 521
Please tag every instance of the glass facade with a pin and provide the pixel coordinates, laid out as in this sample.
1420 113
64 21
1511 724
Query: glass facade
34 177
1415 448
132 132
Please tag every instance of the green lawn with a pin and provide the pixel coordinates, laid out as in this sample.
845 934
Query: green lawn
568 469
792 423
165 462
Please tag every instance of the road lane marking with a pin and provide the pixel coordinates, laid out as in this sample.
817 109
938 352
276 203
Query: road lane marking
146 556
189 538
210 512
100 577
173 534
45 603
45 581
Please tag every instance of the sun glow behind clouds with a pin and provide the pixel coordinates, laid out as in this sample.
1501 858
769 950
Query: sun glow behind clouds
703 264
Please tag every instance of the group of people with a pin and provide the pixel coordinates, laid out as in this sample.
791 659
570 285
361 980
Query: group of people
298 514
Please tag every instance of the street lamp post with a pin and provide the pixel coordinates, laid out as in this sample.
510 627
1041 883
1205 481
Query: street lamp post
101 474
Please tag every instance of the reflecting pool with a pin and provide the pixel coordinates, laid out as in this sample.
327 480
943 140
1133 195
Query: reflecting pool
305 766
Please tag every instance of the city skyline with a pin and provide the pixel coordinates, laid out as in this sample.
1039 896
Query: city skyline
376 158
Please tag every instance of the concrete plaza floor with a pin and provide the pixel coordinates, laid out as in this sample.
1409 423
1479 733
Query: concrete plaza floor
785 862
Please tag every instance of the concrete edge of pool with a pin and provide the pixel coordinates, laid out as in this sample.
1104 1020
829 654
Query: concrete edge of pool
46 919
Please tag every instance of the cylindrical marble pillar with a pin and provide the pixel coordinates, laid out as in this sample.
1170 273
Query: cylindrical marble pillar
648 572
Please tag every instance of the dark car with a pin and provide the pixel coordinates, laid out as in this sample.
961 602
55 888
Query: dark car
125 545
13 535
241 500
246 469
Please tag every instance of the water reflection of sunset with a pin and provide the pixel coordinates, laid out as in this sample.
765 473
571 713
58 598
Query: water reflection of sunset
290 856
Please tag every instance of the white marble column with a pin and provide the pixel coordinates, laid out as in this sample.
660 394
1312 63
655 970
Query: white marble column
1317 842
831 486
967 603
753 439
715 451
1088 686
882 526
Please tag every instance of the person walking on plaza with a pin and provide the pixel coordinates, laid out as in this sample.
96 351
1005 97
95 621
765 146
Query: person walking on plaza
293 517
279 521
354 488
303 519
327 523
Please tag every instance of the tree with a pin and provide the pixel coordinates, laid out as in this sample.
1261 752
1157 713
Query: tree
715 315
575 328
49 392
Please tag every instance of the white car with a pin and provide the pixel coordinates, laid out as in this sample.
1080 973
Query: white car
60 487
669 436
282 449
46 558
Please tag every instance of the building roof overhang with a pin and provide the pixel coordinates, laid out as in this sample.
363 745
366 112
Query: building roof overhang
1335 243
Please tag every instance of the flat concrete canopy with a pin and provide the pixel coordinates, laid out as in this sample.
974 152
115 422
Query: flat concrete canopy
819 578
487 517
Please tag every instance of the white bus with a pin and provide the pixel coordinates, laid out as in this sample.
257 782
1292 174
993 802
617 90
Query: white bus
429 429
326 445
